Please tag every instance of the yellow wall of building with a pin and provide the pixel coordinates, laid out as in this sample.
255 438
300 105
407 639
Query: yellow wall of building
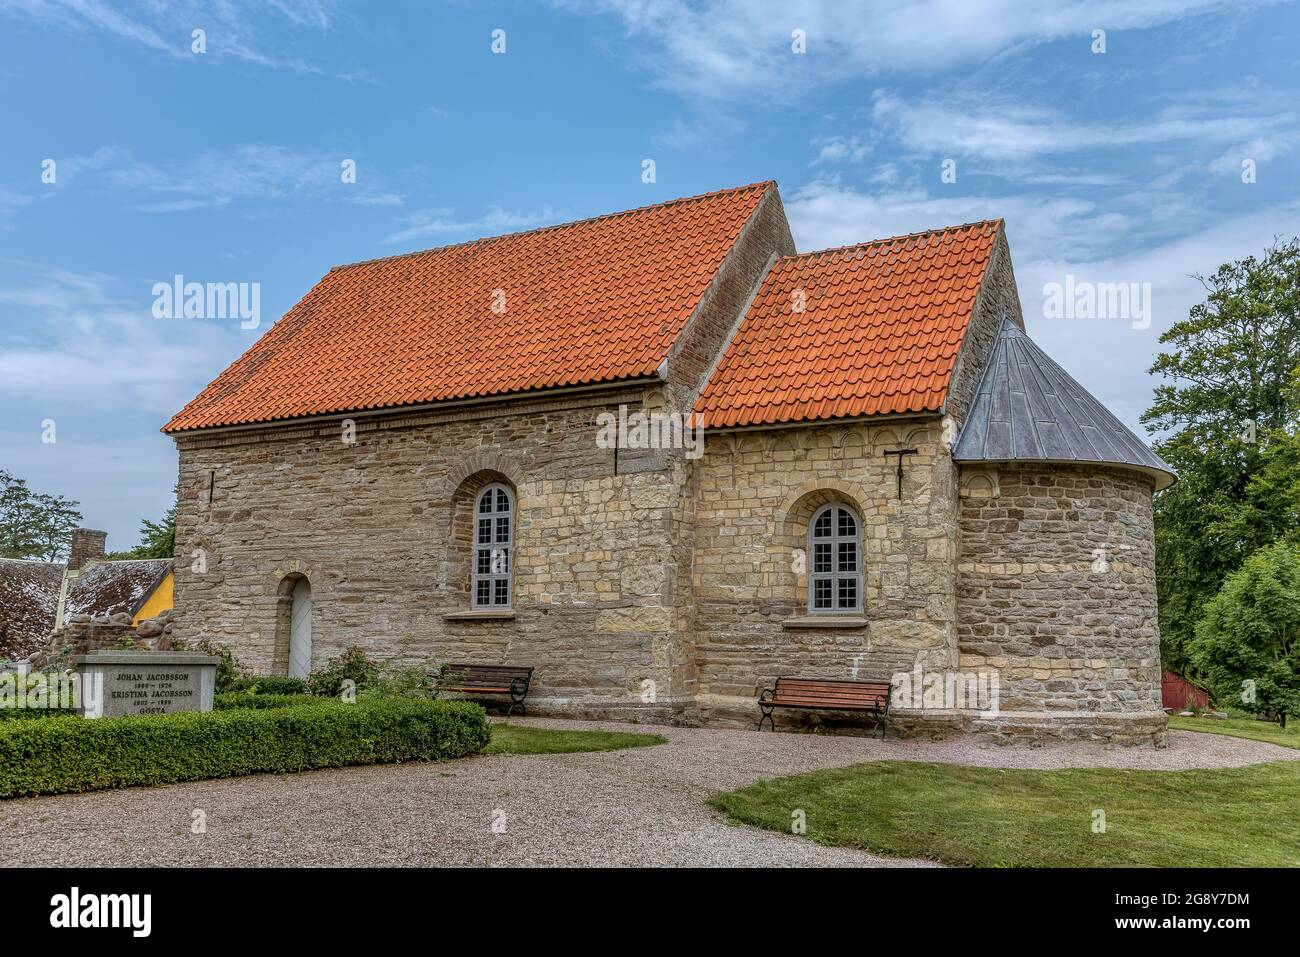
158 602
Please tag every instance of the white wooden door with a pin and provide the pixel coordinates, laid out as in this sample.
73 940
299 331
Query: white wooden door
300 631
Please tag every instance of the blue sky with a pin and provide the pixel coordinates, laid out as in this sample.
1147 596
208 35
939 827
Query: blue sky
224 166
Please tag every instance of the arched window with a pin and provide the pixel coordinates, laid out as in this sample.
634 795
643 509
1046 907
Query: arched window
493 541
835 561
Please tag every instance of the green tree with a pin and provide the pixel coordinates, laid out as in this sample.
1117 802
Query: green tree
55 519
34 525
157 539
1228 408
1247 646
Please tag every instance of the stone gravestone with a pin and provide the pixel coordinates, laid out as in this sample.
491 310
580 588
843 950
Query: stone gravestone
116 683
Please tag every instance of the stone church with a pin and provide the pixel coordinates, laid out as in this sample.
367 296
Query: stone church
872 471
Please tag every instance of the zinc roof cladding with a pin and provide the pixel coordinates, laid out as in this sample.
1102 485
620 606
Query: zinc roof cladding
1028 409
594 301
871 329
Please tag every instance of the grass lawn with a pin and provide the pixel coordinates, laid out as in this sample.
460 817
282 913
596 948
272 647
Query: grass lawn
1241 728
514 739
1232 817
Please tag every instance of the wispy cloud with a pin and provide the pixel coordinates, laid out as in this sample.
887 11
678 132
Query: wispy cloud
80 337
440 223
213 179
1010 131
233 28
724 49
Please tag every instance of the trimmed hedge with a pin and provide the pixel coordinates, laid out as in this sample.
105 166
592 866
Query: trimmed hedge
58 755
19 714
255 699
271 684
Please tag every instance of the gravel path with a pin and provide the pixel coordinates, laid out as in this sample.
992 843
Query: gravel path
642 806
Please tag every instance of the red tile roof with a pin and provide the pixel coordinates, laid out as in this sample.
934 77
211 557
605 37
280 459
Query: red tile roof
879 331
593 301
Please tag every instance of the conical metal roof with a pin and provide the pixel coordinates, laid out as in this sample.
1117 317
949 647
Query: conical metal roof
1029 409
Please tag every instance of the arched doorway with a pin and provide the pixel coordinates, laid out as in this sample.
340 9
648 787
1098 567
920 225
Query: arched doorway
300 630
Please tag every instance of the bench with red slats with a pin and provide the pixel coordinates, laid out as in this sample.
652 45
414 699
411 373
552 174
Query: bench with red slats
468 679
827 694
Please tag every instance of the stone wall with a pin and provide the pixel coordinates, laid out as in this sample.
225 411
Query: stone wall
756 493
372 527
1056 592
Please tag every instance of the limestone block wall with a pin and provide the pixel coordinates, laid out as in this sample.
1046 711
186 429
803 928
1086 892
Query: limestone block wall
373 526
755 494
1056 591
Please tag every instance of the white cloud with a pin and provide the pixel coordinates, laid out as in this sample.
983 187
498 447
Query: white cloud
1010 131
216 178
841 149
69 339
234 28
824 214
1054 238
426 223
1261 149
724 49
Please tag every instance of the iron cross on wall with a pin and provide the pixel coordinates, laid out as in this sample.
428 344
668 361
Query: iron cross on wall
900 453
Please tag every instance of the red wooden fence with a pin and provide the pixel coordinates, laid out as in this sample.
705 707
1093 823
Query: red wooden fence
1176 691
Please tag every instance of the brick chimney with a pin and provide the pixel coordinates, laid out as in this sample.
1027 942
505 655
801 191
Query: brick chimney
87 543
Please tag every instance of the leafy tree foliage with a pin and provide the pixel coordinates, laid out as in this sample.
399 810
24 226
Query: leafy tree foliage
1247 646
1229 407
34 525
157 539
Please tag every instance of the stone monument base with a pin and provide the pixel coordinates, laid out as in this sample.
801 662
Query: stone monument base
117 683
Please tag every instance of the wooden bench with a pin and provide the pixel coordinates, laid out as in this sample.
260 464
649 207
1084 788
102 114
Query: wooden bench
827 694
512 680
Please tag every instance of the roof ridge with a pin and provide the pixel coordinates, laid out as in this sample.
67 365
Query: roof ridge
30 561
894 239
556 226
118 561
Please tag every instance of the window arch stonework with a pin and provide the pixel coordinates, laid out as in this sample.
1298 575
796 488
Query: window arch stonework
793 565
461 537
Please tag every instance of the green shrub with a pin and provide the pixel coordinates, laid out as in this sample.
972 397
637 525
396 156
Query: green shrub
66 754
352 665
252 699
1248 644
270 684
12 714
398 683
229 671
